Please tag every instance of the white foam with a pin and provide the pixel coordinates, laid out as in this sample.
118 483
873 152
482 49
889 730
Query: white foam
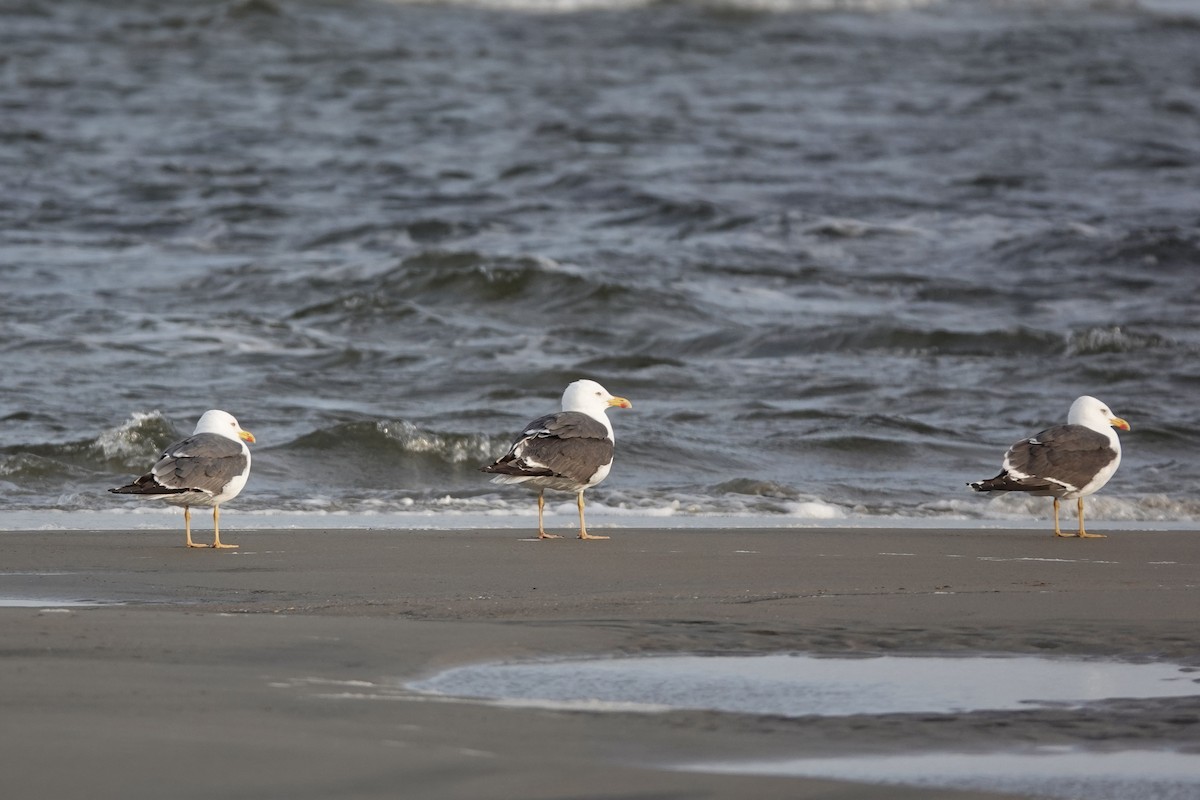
447 512
814 509
117 443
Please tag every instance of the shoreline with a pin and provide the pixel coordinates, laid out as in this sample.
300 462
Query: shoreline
162 518
276 669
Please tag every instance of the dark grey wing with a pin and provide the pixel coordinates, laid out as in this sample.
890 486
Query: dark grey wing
564 425
1067 455
567 444
204 462
1063 457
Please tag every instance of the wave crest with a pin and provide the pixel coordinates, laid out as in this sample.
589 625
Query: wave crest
1096 341
393 455
454 448
139 438
131 447
458 279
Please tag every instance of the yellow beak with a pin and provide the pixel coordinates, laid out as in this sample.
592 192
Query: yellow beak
1117 422
246 436
620 402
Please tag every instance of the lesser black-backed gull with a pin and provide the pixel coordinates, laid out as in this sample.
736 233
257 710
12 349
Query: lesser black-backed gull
568 452
1064 462
205 469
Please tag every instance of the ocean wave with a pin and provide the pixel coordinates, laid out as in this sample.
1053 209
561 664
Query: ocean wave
129 447
467 276
141 436
771 6
397 458
846 228
1046 251
441 508
756 488
1155 507
1137 260
451 279
28 469
390 437
455 448
859 337
1154 154
1160 247
1095 341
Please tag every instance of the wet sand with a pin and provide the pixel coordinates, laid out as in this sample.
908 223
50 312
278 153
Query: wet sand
276 670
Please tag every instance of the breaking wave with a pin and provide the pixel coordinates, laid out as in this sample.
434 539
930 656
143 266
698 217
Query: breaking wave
1095 341
129 447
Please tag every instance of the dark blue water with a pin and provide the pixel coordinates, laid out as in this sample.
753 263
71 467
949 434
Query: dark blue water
838 260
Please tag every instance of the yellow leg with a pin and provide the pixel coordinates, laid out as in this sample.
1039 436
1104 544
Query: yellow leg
217 530
583 534
1057 530
187 526
541 509
1082 533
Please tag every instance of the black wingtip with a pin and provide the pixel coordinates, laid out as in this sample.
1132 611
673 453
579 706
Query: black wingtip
147 488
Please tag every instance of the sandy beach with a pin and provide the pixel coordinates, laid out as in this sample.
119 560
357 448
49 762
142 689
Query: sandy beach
276 670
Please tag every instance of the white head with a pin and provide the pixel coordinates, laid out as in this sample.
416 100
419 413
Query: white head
589 397
222 424
1091 413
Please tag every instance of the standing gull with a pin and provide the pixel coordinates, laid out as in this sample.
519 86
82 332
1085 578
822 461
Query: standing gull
205 469
569 451
1067 461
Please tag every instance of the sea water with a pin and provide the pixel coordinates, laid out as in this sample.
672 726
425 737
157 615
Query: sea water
838 254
